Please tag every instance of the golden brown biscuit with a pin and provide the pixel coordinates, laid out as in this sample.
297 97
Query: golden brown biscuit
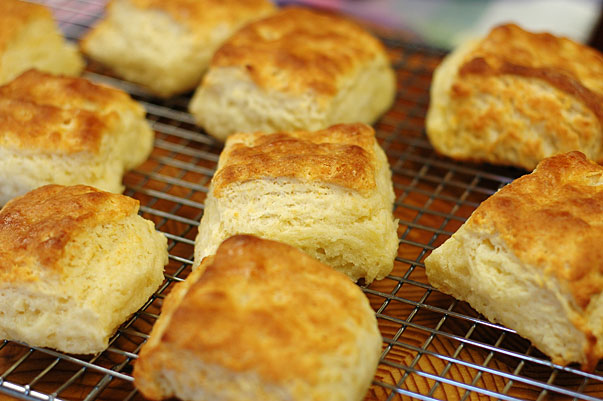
295 70
260 320
166 45
516 97
29 38
530 257
67 131
75 262
326 192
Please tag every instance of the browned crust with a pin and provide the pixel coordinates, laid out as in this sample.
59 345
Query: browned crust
564 64
590 348
278 294
47 113
36 227
63 91
559 79
30 127
341 155
297 50
553 219
201 16
14 15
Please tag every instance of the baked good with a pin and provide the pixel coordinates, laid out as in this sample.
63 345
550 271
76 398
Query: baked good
75 262
530 258
166 45
261 320
62 130
29 38
516 97
327 192
295 70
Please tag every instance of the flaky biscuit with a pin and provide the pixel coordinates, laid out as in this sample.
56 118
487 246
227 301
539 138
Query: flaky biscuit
530 257
29 38
295 70
75 262
63 130
516 97
327 192
167 45
261 320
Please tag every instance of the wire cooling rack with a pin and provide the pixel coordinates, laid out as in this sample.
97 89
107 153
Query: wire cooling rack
435 348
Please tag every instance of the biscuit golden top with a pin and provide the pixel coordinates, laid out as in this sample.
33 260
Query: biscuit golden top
36 227
294 310
553 218
14 15
202 16
297 50
46 113
569 66
65 92
29 127
341 155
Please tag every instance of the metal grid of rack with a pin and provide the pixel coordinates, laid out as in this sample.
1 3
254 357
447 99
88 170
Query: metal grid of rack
435 348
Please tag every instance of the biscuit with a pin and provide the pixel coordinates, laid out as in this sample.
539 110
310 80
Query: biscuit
530 258
261 320
29 38
75 262
327 192
295 70
61 130
167 45
516 97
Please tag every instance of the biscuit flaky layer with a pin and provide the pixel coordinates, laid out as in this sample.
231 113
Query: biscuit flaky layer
75 262
167 45
261 320
327 192
530 258
298 69
516 97
29 38
65 130
561 204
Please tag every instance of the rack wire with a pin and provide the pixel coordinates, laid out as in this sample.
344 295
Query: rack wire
435 348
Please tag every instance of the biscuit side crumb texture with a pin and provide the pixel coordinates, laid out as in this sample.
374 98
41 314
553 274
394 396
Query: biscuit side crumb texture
516 97
167 45
75 262
260 320
63 130
29 38
530 258
295 70
326 192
